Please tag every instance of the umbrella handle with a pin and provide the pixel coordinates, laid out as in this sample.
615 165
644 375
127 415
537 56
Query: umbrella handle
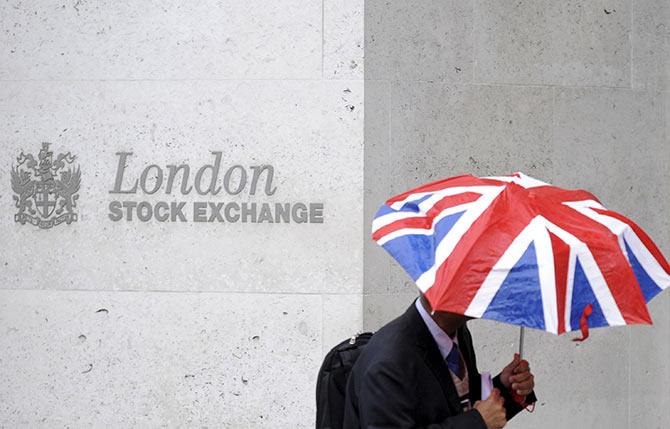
521 400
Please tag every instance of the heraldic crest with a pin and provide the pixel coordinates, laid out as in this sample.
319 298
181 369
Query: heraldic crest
45 189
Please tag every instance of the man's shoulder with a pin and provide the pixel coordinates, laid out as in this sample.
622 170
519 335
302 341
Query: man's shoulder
393 344
388 360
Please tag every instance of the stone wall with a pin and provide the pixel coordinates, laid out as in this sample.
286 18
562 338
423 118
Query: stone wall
178 318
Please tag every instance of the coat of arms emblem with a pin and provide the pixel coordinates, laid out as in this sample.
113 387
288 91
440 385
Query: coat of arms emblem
45 189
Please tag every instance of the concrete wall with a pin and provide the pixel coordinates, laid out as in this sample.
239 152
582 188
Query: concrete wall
127 323
575 93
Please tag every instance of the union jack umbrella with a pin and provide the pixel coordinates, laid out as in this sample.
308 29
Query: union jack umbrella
521 251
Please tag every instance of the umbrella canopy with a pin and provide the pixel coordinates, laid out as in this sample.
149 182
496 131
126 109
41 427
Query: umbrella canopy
520 251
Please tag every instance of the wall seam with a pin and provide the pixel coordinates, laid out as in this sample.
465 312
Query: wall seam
220 292
552 132
323 39
246 79
389 129
323 321
628 386
209 79
472 41
630 82
630 41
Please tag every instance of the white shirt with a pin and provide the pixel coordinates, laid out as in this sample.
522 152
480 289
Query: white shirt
443 341
444 344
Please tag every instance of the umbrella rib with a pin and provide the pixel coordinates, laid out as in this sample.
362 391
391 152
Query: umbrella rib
499 272
624 232
546 272
597 282
450 240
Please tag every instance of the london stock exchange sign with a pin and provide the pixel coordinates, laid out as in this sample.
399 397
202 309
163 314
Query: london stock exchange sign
210 185
46 192
45 189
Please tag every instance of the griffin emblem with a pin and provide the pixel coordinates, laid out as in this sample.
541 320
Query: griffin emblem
45 190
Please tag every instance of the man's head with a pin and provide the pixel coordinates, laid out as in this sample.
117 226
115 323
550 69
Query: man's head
449 322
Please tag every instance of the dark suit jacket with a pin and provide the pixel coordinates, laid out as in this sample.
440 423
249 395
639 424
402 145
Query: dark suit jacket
401 381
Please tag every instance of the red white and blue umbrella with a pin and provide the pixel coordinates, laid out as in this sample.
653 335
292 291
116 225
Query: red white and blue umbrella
520 251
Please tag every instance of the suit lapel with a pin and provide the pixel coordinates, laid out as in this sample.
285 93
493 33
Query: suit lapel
433 359
475 385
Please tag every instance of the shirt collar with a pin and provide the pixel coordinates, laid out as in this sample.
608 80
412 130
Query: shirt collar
443 341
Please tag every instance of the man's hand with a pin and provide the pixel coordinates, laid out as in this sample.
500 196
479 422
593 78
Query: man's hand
492 410
517 376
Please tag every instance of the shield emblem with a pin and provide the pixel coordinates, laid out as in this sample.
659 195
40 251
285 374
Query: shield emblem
45 198
45 189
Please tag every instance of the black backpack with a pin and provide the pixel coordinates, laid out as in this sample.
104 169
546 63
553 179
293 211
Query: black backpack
332 382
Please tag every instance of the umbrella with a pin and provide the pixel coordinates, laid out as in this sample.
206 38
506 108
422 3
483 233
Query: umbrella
518 250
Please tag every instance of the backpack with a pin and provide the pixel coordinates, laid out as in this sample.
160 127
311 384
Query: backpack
332 380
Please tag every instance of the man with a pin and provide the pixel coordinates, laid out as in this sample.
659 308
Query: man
419 371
